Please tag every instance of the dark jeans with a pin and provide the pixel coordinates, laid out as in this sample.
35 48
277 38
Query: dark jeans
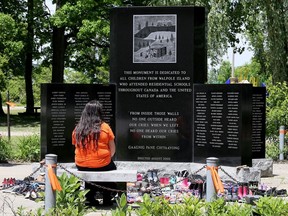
93 189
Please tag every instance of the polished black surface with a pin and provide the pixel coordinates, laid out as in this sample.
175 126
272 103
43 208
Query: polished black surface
223 123
157 53
61 108
258 122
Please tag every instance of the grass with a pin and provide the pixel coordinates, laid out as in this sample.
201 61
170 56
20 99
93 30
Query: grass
22 128
20 123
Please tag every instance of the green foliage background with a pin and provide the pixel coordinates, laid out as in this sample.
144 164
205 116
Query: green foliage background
87 29
277 107
86 24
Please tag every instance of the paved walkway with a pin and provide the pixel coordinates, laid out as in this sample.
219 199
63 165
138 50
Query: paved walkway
280 176
10 202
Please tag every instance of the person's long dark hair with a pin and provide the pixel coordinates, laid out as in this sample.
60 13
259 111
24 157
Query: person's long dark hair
89 124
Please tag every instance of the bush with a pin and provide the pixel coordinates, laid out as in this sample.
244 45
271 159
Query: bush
5 149
220 207
270 206
272 150
265 206
28 148
277 103
69 201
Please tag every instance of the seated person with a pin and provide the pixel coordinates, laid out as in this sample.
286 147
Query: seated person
94 148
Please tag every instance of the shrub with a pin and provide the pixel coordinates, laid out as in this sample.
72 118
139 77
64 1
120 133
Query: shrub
70 200
190 206
270 206
277 103
28 148
5 149
265 206
217 207
122 208
273 151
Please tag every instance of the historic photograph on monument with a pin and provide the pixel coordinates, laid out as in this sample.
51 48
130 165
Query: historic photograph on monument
154 38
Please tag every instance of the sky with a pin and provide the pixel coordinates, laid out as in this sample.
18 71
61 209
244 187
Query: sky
50 6
239 59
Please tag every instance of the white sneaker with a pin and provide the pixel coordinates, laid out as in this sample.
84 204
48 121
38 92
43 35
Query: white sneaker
33 195
27 195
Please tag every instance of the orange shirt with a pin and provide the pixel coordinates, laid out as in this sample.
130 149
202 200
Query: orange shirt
92 157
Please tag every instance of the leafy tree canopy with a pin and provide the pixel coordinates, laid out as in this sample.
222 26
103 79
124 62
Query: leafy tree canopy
10 47
277 103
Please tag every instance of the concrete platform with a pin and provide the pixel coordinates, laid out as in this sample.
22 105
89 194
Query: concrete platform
10 202
105 176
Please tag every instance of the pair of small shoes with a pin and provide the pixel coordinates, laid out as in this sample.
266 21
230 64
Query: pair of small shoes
281 192
183 173
8 182
152 176
31 195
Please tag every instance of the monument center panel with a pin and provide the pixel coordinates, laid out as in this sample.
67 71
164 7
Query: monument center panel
152 63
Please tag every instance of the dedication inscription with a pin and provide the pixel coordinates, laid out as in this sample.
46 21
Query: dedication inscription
154 78
61 108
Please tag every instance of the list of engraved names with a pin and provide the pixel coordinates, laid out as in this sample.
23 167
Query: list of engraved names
58 118
258 116
59 111
216 119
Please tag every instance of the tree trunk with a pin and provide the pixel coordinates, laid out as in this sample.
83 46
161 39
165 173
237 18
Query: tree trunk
58 46
28 61
284 30
2 113
277 39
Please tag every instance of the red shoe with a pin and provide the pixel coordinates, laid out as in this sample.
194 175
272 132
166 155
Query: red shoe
240 192
10 182
5 183
139 177
245 190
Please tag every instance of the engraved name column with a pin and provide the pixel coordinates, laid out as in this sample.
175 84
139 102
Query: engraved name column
233 120
58 117
216 127
200 122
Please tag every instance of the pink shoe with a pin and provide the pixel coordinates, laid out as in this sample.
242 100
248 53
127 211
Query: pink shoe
240 191
245 190
139 177
10 182
4 183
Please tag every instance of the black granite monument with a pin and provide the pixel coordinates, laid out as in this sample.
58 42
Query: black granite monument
223 123
258 122
158 105
61 108
157 53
